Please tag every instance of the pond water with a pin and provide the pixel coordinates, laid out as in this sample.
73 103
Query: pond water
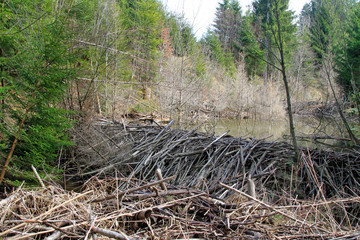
276 130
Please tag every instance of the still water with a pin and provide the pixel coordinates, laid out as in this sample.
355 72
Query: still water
276 130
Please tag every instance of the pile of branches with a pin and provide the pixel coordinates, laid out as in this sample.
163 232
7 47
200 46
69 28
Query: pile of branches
199 160
129 208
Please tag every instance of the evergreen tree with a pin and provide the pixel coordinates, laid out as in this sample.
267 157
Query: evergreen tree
216 53
333 32
252 50
182 38
144 22
348 57
320 27
35 73
228 21
333 41
267 29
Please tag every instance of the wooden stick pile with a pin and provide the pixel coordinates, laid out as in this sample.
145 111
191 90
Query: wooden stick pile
199 160
129 208
151 182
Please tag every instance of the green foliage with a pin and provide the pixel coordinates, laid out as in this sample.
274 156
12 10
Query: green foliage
182 38
42 137
143 21
320 28
264 20
35 73
200 65
348 57
216 52
84 12
227 26
334 35
252 50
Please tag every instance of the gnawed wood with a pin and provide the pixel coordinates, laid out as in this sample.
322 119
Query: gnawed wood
110 234
134 190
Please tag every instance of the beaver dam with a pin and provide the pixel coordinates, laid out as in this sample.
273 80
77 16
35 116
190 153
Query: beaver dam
152 182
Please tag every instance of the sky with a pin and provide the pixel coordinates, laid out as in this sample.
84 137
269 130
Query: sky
200 13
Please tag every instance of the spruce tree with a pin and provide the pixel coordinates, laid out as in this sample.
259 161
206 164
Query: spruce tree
35 73
320 28
182 39
216 52
348 59
227 26
264 16
330 42
253 52
143 23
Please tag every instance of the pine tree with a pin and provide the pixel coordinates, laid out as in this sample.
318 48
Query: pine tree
349 62
182 38
329 39
348 58
320 27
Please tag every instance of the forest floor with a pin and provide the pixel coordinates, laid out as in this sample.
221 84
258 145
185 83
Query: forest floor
154 182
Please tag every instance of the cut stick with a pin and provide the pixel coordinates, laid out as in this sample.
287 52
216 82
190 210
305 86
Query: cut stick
142 215
45 213
159 176
163 193
251 187
217 139
38 177
133 190
303 221
165 205
54 236
110 234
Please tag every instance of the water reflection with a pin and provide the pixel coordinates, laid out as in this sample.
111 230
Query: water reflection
276 130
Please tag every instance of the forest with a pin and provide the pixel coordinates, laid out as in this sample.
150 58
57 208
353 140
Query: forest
69 68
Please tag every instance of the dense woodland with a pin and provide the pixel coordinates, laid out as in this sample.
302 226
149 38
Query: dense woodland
66 62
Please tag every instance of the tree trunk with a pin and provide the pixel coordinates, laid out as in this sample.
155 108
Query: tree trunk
266 73
283 71
13 146
354 139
